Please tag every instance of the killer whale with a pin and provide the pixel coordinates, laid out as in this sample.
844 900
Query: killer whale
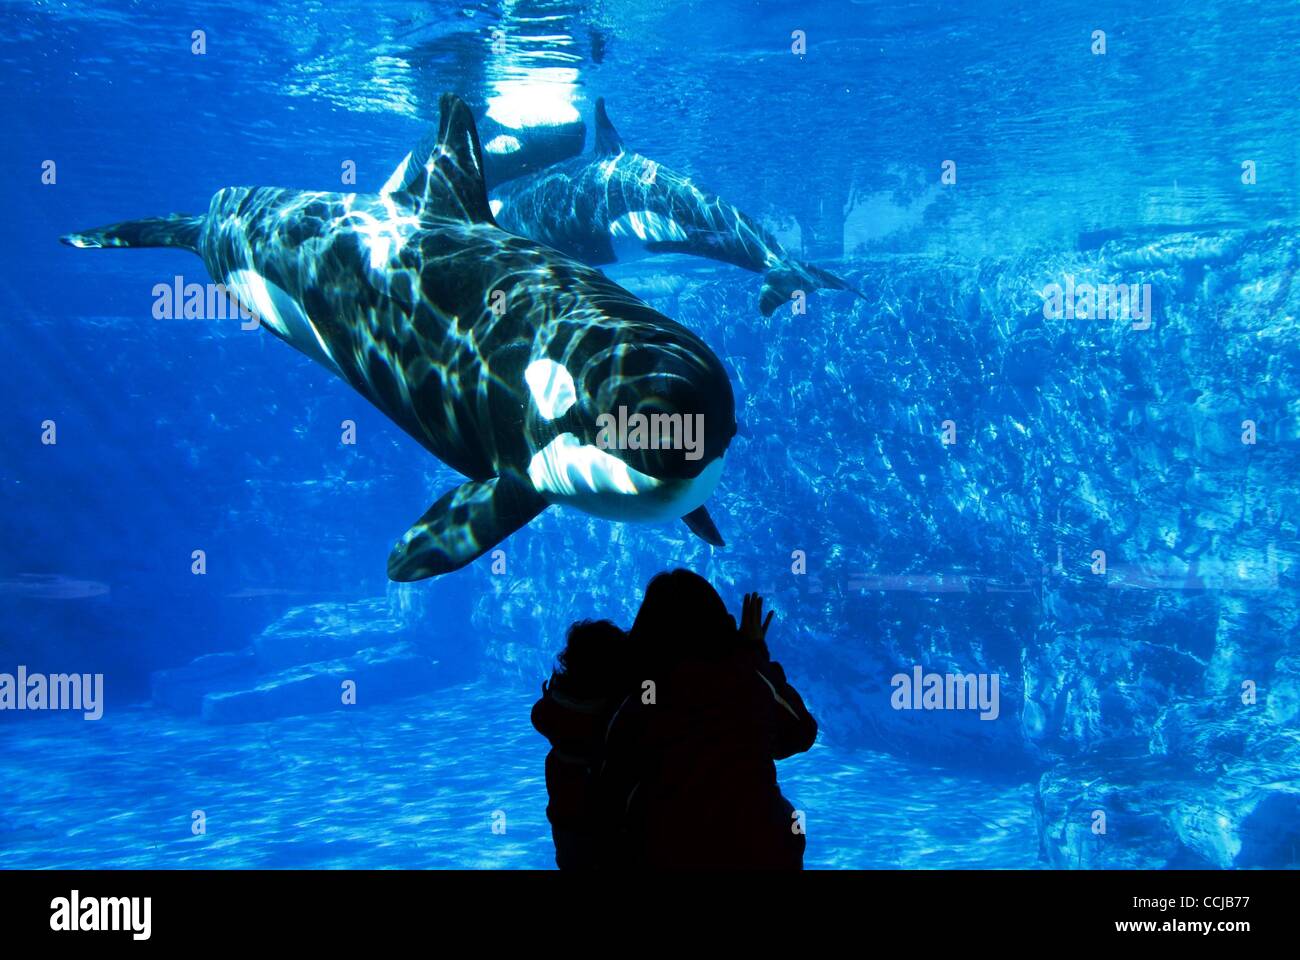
600 207
511 152
499 355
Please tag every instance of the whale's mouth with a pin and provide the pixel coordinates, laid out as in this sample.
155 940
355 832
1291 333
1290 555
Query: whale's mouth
570 472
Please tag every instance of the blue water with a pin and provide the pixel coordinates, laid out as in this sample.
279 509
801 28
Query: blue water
1161 693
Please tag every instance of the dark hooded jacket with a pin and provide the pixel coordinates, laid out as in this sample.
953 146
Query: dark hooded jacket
575 725
690 780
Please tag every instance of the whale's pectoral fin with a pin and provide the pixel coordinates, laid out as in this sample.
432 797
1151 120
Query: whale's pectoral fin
464 524
701 524
784 280
181 230
443 175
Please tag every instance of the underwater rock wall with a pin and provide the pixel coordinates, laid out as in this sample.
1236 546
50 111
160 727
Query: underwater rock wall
317 658
1072 436
1169 662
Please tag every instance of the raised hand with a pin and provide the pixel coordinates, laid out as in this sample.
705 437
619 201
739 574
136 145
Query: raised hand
753 628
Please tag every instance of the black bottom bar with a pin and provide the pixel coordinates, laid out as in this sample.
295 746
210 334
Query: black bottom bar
332 909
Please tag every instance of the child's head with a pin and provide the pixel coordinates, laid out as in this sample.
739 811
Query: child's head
594 660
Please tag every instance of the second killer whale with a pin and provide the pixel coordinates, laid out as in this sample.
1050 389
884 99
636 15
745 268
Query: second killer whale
615 203
499 355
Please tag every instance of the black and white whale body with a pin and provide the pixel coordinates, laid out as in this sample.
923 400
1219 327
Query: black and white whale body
510 152
503 358
615 204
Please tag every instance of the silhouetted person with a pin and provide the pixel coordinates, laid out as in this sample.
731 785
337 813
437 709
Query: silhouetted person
573 713
689 779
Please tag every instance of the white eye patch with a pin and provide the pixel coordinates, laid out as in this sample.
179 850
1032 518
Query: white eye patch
551 386
502 144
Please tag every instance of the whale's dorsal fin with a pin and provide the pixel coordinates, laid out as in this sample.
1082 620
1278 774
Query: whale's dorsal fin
608 142
443 175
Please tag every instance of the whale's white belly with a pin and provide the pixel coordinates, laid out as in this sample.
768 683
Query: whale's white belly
275 307
568 472
630 233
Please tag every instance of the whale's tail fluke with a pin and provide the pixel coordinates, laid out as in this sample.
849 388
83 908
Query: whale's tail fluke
790 276
179 230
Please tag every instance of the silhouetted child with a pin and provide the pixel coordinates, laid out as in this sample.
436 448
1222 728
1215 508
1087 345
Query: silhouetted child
589 683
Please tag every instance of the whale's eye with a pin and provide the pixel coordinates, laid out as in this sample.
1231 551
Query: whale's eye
552 387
